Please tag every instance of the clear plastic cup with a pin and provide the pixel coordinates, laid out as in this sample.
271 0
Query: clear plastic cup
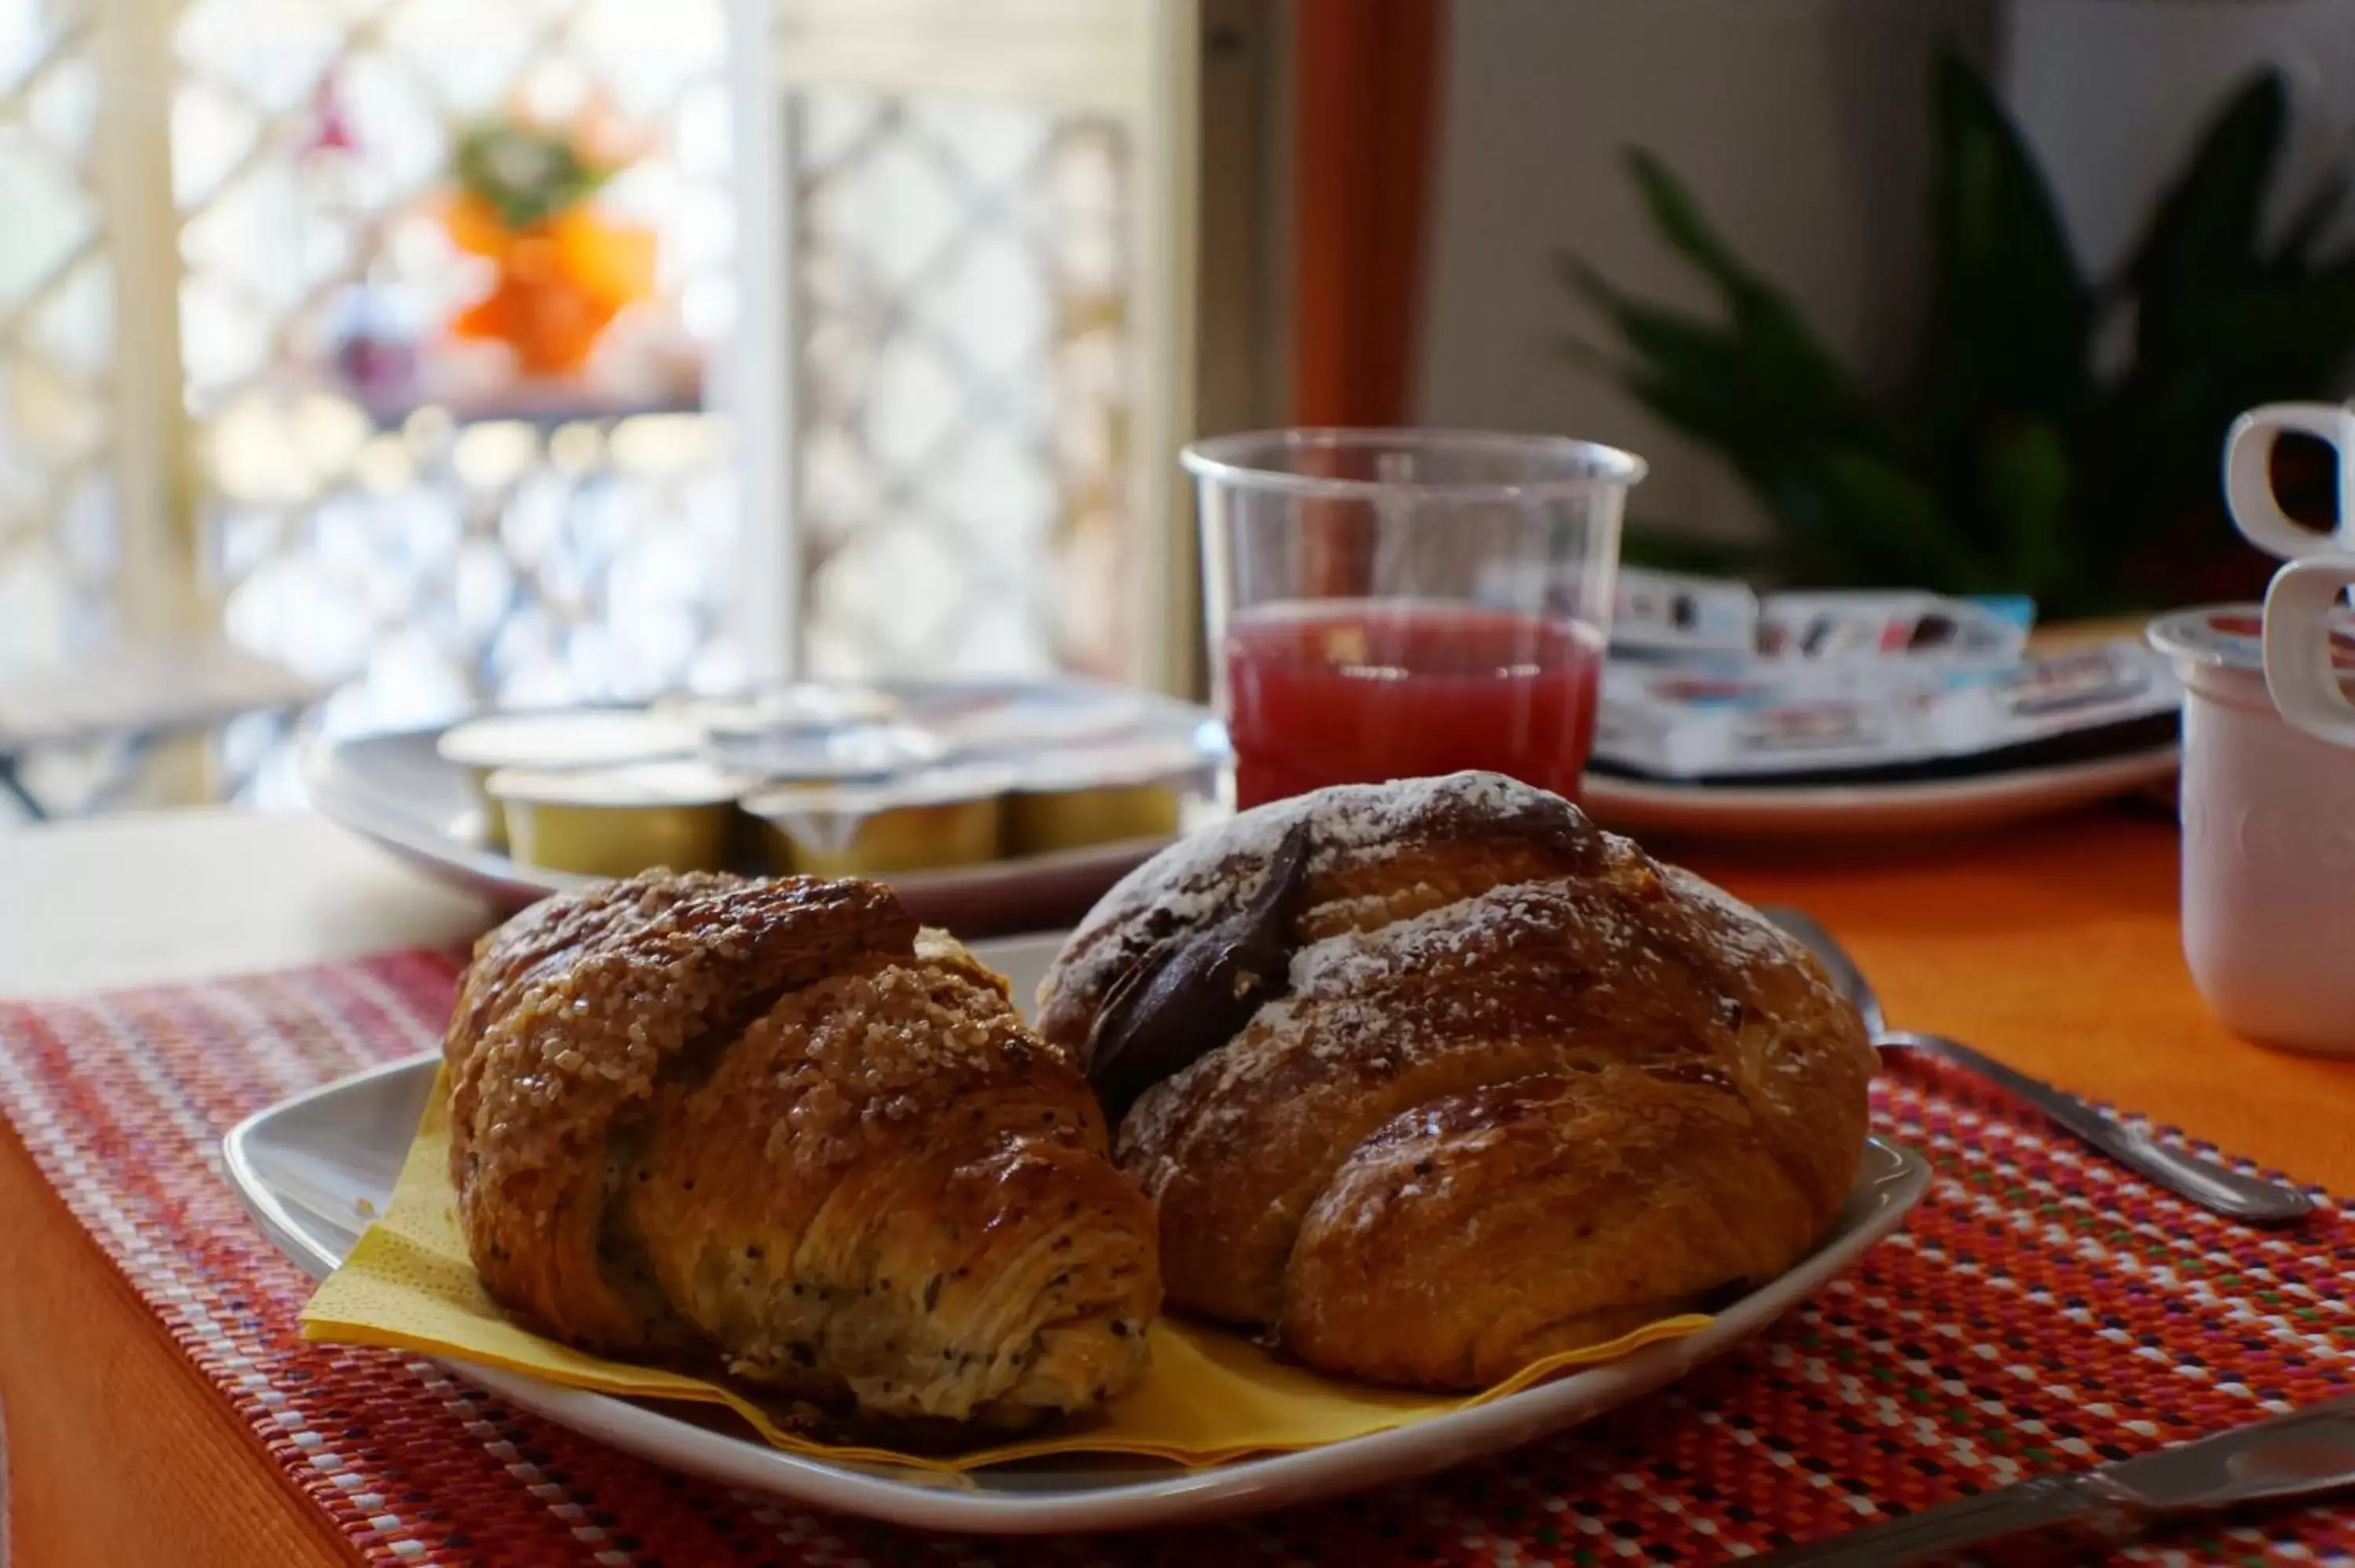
1397 604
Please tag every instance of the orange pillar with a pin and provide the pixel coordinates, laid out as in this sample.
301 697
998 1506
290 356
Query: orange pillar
1366 106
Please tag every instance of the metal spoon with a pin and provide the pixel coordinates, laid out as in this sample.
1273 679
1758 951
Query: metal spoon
2205 1182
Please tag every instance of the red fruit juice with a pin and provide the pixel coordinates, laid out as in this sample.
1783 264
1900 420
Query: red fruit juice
1362 691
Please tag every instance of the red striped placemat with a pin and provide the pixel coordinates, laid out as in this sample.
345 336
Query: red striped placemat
2042 1311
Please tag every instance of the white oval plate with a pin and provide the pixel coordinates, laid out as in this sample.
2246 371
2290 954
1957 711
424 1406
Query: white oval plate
1870 810
310 1170
397 792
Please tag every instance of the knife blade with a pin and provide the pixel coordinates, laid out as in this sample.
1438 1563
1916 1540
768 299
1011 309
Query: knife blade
2306 1454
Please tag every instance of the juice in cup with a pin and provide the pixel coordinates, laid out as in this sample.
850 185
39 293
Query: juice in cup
1361 691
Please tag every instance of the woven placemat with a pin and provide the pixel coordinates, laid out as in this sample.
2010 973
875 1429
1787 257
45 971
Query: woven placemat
2042 1311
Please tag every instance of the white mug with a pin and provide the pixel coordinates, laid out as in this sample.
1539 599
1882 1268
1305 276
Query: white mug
2248 478
2268 845
2303 666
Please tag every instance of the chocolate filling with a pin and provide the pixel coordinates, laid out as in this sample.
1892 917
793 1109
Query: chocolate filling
1179 1003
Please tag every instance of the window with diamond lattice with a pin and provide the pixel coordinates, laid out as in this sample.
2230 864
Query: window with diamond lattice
962 393
240 345
340 481
404 516
57 345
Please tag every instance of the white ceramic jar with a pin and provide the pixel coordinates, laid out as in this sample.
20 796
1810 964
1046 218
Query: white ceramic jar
2268 843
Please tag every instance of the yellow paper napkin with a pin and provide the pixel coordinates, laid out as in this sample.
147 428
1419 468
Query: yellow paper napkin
1211 1396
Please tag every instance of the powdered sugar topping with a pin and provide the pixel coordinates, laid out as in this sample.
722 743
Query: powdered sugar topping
1197 881
1746 936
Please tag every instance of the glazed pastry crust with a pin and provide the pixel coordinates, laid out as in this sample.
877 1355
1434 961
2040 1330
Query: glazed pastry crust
1528 1087
771 1128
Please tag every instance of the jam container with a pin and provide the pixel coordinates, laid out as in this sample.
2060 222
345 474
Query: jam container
800 708
559 741
786 755
1104 794
617 822
1018 722
930 820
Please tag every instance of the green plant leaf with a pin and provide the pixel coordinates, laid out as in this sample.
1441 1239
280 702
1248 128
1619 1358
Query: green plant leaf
2204 240
525 174
2012 319
2024 485
2294 256
1676 214
1733 387
1649 541
1773 332
2012 465
1722 384
2294 335
2151 449
1897 523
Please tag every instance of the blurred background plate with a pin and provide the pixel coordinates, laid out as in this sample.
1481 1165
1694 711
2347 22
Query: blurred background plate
395 789
1886 811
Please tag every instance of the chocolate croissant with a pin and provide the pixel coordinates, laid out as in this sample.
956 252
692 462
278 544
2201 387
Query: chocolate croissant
1436 1079
772 1129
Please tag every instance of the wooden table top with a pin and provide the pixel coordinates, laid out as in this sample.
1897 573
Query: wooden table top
2053 947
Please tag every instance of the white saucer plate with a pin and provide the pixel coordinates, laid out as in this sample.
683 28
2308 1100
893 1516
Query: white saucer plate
1871 810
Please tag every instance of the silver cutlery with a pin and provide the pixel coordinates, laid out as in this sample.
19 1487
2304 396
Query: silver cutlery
2294 1458
2211 1186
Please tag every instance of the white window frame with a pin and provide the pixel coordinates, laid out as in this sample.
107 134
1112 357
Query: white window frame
1205 336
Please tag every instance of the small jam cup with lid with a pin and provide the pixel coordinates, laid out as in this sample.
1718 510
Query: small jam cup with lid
2268 896
782 755
557 740
617 822
800 708
1115 793
927 821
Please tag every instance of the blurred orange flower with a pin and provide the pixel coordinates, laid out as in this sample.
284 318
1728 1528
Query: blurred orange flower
563 271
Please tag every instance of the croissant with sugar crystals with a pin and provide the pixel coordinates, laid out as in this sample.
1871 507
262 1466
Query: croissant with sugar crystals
773 1128
1436 1079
